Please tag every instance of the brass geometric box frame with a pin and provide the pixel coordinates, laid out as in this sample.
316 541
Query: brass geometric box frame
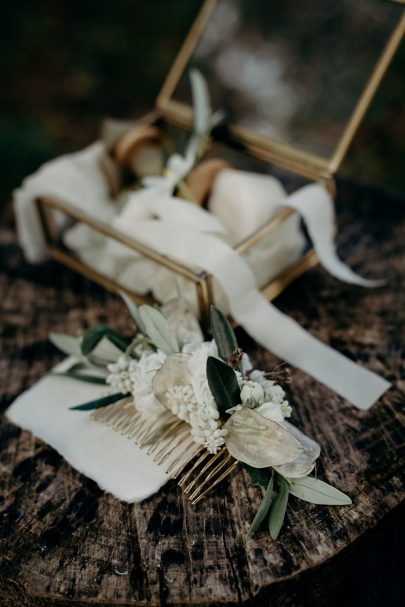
291 159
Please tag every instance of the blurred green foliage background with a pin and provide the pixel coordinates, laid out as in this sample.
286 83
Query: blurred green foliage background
66 64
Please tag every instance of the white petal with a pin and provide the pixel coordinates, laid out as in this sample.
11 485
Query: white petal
271 411
304 462
173 372
258 441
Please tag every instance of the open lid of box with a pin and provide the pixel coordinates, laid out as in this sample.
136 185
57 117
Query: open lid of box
294 78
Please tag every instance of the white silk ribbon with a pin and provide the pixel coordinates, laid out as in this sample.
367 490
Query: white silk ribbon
262 320
147 202
315 205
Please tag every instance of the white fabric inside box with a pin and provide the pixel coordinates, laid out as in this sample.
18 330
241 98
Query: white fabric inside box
271 255
257 202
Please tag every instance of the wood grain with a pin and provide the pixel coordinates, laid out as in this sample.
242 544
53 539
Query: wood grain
64 542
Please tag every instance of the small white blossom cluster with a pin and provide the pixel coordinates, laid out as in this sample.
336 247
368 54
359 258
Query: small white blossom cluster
121 373
131 376
194 403
263 395
181 401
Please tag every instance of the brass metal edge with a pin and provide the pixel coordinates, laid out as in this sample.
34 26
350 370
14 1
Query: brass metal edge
202 280
183 56
367 95
110 232
304 163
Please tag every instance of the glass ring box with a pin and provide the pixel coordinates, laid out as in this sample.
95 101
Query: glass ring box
294 86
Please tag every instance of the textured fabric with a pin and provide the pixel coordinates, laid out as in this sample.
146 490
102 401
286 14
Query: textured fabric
114 462
73 178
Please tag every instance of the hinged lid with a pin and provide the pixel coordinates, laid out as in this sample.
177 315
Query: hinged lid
294 78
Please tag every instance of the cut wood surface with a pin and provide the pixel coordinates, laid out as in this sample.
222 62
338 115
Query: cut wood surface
64 542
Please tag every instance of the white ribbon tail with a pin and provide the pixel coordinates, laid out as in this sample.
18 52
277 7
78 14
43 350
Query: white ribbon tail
315 206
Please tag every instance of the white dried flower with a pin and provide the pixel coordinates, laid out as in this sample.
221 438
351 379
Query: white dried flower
194 404
131 376
252 393
205 422
200 351
181 401
286 408
142 374
246 364
204 419
120 375
188 394
275 394
273 411
272 391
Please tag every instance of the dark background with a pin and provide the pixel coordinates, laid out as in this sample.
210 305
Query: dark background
65 64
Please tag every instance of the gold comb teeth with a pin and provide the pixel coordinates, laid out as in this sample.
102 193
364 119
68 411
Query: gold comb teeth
169 441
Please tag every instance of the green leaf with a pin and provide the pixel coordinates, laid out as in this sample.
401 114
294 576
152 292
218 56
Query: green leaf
223 384
223 334
77 367
66 343
105 352
259 476
133 310
91 338
84 365
201 102
158 330
264 506
91 379
94 335
104 401
278 509
313 490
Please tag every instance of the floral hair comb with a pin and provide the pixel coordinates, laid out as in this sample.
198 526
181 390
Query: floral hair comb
198 407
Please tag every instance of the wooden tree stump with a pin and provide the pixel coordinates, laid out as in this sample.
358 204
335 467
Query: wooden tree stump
64 542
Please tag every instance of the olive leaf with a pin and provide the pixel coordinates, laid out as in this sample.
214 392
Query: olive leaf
204 119
75 367
158 330
94 335
258 476
201 102
278 508
264 506
105 352
315 491
223 334
66 343
91 379
223 384
140 341
104 401
133 310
